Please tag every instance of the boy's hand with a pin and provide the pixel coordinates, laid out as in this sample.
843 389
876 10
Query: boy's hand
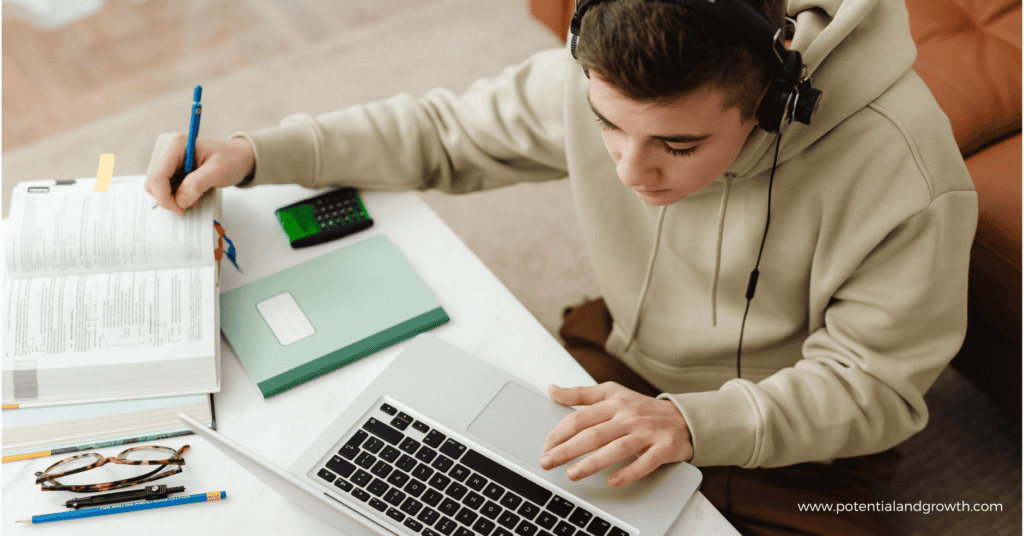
618 423
218 164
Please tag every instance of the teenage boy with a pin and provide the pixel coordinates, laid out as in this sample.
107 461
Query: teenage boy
861 299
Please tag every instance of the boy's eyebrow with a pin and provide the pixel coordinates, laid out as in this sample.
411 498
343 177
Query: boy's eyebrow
678 138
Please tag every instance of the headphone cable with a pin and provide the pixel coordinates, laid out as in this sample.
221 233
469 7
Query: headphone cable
752 284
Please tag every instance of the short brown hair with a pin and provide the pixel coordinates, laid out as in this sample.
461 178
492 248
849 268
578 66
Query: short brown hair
657 51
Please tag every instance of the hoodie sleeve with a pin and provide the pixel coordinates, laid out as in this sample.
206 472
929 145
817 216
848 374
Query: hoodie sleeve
501 131
888 311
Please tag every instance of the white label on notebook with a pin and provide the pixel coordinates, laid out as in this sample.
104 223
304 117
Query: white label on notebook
285 318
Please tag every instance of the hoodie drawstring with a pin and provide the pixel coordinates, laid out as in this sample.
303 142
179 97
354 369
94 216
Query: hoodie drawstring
718 248
647 276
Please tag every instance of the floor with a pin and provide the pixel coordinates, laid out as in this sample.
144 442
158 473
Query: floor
132 50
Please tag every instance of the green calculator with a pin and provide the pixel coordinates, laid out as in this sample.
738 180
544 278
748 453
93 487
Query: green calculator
328 216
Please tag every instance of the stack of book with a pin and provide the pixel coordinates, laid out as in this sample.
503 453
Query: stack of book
111 324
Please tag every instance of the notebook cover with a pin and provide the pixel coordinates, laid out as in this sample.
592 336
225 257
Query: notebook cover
359 299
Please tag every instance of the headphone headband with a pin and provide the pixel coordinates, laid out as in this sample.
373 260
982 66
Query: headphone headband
783 99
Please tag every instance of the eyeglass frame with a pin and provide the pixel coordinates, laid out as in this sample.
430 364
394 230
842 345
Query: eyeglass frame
43 477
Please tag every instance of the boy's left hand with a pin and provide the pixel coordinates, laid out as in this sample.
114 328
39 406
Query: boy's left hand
618 423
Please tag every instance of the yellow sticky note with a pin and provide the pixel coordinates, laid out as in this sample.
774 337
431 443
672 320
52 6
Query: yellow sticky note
105 172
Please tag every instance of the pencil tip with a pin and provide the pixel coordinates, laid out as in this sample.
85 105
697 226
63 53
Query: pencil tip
25 521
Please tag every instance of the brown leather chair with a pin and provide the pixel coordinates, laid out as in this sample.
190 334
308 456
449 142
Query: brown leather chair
969 54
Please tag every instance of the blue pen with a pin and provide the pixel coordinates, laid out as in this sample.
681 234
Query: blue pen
193 130
129 507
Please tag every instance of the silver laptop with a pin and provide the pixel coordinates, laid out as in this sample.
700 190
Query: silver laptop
420 454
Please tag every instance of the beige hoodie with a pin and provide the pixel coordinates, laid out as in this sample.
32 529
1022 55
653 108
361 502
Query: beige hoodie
862 295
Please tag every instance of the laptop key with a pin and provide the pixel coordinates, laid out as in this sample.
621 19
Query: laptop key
348 451
466 516
428 516
406 463
476 482
374 445
528 510
382 469
413 525
378 504
559 506
404 416
526 529
439 481
383 431
365 460
434 439
508 520
494 491
473 500
598 527
422 472
511 501
362 478
398 479
426 454
442 463
415 488
483 526
326 475
546 519
490 510
446 526
616 531
580 517
456 491
396 515
409 445
428 532
463 531
394 497
357 439
344 485
501 532
459 473
389 409
360 494
448 507
411 506
377 487
564 529
421 426
452 448
399 423
390 454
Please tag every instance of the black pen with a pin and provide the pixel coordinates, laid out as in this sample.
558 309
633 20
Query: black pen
149 493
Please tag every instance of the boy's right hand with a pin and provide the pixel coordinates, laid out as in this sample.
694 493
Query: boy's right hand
218 164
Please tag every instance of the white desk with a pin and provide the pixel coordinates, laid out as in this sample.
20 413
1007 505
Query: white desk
486 320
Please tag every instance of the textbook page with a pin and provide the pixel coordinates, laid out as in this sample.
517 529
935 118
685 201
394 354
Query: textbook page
57 228
106 319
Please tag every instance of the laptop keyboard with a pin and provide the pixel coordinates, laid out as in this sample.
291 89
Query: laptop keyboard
428 482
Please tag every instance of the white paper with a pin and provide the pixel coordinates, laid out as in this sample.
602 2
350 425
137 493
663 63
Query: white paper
63 229
107 319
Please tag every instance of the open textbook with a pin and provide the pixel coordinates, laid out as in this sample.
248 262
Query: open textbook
105 297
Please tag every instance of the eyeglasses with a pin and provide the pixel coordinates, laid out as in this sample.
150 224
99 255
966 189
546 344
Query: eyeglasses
162 456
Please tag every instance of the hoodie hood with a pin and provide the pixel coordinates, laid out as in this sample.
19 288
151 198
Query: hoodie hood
868 37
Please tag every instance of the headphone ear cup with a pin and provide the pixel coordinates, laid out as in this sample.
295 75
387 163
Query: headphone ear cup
772 111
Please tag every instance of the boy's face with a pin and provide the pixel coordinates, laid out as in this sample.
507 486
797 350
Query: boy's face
667 152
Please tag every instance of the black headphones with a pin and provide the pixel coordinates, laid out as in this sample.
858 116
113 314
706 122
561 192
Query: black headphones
789 96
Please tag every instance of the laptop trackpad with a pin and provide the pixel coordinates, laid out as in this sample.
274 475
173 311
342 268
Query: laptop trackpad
517 420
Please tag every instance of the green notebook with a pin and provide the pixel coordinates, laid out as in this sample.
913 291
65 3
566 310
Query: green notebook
310 319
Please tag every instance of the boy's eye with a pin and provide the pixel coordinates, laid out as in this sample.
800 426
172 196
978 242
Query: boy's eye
680 152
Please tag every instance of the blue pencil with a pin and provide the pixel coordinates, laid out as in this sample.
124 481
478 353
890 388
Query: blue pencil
130 507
